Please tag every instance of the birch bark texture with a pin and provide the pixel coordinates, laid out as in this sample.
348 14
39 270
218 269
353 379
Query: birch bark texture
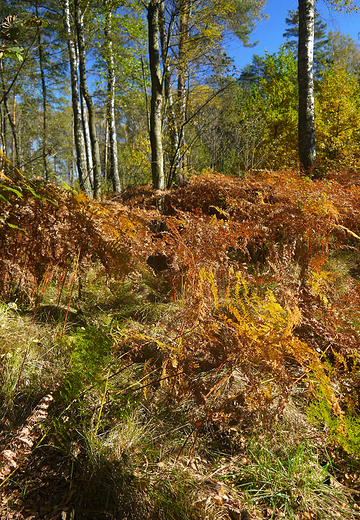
110 102
157 95
81 163
306 128
79 24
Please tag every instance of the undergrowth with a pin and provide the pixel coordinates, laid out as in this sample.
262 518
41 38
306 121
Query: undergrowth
203 360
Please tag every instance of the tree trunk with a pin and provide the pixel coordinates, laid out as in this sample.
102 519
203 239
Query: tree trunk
110 108
3 114
78 130
157 159
182 78
79 23
307 151
7 114
106 149
3 130
44 100
88 148
73 165
168 99
15 142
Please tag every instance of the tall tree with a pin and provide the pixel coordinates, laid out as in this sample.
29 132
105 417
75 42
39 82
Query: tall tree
320 38
79 24
154 13
83 173
110 102
344 51
44 97
194 33
306 124
182 78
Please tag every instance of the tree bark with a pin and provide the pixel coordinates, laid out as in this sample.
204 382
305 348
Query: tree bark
157 94
3 112
168 102
306 129
84 179
88 148
44 100
79 23
106 149
110 108
7 114
182 78
3 130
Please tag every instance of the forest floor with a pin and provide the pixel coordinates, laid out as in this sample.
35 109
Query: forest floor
192 354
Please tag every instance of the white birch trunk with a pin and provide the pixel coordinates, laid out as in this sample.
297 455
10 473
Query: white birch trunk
307 150
157 160
78 129
111 79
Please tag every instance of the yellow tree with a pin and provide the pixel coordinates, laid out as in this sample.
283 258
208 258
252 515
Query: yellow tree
338 118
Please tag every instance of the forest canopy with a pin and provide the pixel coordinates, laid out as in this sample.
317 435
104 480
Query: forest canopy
81 89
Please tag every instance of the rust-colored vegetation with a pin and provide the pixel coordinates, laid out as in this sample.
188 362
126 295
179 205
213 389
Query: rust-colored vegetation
236 305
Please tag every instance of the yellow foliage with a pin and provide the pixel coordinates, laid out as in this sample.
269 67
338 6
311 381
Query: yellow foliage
320 281
338 118
264 329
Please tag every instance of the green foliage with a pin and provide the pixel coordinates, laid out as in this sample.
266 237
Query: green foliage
343 52
260 117
344 429
288 476
279 88
90 351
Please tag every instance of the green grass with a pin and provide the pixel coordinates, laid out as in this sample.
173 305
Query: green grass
286 476
113 421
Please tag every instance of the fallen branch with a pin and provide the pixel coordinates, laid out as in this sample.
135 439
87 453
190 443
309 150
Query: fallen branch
20 447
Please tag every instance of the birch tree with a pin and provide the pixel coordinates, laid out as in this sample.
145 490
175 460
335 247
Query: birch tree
306 125
83 173
154 11
79 24
110 102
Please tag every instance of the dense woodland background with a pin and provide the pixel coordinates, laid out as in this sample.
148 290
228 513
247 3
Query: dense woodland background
189 353
212 115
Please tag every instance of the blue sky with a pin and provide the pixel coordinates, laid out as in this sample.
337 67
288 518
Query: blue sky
269 33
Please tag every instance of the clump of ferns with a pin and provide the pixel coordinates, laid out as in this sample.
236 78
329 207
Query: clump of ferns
242 353
47 227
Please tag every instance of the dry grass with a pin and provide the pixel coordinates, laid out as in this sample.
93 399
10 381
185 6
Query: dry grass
184 393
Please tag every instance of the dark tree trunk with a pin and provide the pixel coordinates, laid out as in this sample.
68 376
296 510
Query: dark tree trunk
182 78
88 148
3 130
168 101
44 100
307 151
12 121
